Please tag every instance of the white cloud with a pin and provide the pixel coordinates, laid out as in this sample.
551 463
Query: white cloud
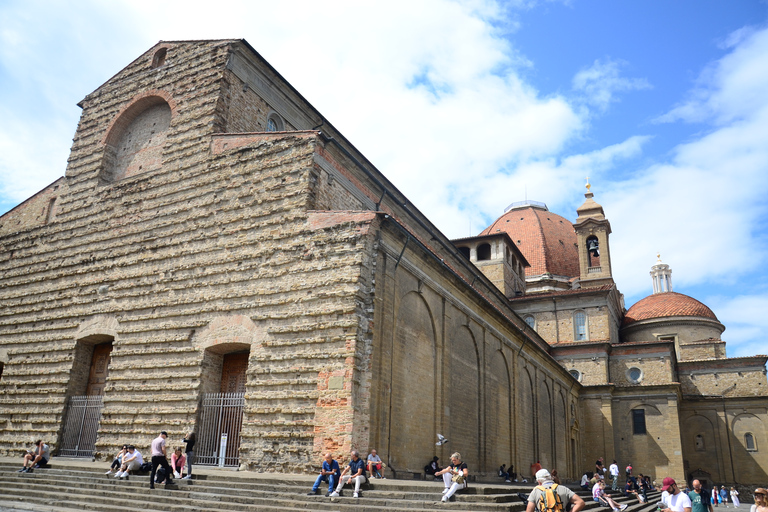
601 81
745 320
731 88
705 208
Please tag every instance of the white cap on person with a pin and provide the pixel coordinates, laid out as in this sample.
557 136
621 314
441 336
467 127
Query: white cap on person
543 475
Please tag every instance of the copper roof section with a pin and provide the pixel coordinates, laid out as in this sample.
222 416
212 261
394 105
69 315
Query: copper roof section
547 240
668 304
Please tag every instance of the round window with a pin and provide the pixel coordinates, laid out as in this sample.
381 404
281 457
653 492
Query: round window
635 375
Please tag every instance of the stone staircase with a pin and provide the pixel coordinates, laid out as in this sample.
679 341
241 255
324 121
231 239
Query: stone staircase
76 485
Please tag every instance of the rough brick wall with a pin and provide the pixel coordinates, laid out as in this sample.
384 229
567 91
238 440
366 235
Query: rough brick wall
36 211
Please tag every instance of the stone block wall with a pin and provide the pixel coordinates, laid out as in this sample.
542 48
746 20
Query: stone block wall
38 210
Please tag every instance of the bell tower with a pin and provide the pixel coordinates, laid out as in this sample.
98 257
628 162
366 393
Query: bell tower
592 230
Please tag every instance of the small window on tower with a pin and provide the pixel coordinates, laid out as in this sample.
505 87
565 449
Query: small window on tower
484 252
464 251
593 251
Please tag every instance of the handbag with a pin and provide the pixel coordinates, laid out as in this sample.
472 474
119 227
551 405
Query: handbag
458 478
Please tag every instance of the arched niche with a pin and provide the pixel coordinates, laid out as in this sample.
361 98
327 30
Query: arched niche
135 139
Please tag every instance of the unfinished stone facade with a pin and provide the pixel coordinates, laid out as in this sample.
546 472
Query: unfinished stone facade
208 239
215 238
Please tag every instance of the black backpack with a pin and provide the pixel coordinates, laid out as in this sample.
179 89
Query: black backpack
161 475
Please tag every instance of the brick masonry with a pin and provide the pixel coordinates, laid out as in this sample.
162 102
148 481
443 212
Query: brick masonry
183 233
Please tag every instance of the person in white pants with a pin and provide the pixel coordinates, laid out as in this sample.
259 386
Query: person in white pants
456 468
356 470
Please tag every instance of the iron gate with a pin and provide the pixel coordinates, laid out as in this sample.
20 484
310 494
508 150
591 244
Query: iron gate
81 425
221 413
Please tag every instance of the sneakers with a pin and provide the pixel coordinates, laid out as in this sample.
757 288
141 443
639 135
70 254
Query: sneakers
108 472
445 490
29 470
22 470
312 493
119 474
445 499
176 474
507 480
188 477
622 507
356 495
334 494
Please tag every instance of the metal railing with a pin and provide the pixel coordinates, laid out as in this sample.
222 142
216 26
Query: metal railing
221 413
81 426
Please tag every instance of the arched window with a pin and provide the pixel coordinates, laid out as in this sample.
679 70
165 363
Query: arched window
136 140
483 252
749 442
464 251
275 123
576 374
159 58
699 440
580 332
593 251
531 321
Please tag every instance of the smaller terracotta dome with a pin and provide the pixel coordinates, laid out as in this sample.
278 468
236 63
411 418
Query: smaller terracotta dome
668 304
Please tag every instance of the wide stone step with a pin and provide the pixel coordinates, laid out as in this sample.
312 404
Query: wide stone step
102 495
82 485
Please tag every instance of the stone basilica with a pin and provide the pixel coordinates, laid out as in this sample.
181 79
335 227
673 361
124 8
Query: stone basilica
219 258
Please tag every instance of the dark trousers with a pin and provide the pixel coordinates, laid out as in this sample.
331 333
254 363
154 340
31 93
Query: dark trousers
160 460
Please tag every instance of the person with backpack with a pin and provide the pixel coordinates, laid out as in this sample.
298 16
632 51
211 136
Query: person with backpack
550 497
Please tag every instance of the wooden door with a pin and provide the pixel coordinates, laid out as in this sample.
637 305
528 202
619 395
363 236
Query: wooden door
233 373
97 378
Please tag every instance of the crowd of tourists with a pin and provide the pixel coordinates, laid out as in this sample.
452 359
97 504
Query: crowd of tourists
129 459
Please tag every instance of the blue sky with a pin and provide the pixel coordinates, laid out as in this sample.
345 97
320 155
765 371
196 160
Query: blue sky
469 106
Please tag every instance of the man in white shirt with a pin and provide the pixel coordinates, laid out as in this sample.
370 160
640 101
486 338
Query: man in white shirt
132 461
614 469
677 501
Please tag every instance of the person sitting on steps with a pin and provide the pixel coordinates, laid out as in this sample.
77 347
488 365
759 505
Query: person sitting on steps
37 457
118 460
132 461
356 469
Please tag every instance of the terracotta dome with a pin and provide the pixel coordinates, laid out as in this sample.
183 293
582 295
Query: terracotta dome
667 304
547 240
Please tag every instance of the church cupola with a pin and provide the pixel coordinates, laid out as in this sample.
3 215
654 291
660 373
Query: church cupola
661 275
592 230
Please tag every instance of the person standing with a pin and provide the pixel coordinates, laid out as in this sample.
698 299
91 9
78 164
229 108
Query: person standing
724 496
614 469
544 479
189 451
735 497
677 501
159 459
699 498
